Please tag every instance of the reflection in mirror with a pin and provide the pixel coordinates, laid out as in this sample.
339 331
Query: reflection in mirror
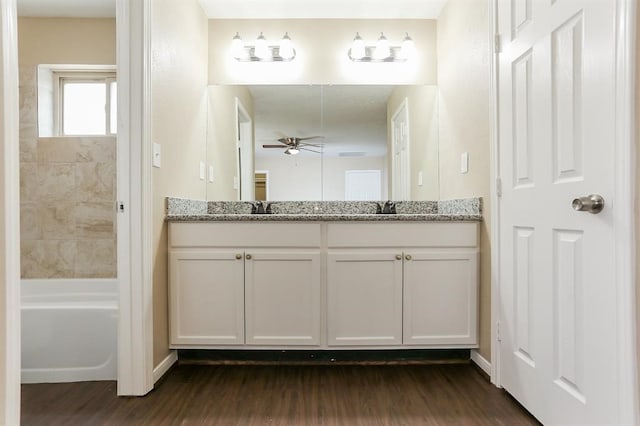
333 142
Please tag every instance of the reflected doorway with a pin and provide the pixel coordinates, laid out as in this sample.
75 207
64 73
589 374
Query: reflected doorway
262 185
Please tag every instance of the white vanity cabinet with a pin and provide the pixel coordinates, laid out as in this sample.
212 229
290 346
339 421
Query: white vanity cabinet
402 283
329 285
244 283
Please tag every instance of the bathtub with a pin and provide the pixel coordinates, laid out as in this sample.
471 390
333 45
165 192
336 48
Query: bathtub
69 330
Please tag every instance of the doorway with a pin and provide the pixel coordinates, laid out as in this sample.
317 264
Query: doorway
244 137
400 162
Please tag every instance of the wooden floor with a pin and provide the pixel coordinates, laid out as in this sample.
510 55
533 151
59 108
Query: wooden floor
285 395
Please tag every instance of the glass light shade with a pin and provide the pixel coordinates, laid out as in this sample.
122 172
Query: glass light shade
382 50
357 47
262 50
286 47
237 47
408 48
293 151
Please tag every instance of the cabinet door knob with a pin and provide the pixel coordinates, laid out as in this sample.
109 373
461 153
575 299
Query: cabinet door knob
408 257
398 257
238 256
248 257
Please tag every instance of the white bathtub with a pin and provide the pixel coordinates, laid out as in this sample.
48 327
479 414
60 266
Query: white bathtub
69 330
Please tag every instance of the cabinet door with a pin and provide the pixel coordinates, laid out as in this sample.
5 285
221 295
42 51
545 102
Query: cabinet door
283 297
440 298
364 298
206 297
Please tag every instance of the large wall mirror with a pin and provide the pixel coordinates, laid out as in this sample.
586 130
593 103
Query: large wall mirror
322 142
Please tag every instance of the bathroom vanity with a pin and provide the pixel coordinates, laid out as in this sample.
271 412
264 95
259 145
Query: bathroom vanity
323 280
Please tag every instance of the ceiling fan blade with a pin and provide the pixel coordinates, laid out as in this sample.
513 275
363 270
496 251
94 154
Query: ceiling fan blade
273 146
310 150
317 145
310 137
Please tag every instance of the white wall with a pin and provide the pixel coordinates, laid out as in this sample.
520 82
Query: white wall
297 178
322 46
464 110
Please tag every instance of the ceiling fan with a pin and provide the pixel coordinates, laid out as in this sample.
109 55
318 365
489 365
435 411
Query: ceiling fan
293 145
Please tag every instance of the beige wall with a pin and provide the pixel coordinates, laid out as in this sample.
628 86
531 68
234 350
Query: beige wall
179 121
66 41
221 139
422 102
464 108
322 46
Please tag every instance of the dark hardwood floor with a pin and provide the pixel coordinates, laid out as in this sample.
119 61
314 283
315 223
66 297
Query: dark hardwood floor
448 394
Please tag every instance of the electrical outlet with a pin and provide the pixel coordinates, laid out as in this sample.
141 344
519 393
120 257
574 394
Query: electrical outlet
420 178
203 170
210 173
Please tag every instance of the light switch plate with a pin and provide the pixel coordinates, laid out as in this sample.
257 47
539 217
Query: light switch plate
464 162
156 157
210 173
420 178
203 170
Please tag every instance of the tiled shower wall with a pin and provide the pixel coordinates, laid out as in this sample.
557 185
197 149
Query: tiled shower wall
67 199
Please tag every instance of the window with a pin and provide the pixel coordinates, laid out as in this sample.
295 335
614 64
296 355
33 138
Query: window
85 103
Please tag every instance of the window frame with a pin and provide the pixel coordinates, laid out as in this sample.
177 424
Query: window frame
62 77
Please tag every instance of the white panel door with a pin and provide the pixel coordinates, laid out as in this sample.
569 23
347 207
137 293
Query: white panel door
364 298
557 281
440 298
206 297
401 189
283 297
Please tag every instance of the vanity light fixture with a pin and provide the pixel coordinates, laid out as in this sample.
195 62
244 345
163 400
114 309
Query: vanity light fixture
262 51
382 51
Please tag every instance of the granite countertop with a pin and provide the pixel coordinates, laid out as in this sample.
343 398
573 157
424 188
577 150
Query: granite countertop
321 217
184 210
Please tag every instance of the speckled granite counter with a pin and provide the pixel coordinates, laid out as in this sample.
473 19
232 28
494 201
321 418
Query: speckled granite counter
184 210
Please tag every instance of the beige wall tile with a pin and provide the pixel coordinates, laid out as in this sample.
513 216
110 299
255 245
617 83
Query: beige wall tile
95 221
28 148
96 150
48 259
28 182
57 150
95 182
96 259
56 182
30 228
58 220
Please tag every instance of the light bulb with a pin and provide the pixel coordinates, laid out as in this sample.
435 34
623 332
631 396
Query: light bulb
262 50
408 48
293 151
382 50
357 48
237 47
286 47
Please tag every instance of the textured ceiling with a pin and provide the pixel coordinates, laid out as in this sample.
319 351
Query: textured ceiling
67 8
321 9
351 119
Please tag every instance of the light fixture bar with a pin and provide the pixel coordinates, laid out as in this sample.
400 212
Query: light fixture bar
261 51
395 55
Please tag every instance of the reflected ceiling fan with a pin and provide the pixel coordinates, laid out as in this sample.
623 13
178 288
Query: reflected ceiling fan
293 145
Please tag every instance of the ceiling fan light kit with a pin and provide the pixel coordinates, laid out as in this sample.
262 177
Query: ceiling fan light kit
262 51
381 51
294 145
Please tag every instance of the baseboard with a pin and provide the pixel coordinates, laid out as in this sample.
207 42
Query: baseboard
481 362
164 366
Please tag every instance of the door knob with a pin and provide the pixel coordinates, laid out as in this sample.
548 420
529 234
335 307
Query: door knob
398 257
408 257
592 203
248 257
238 256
